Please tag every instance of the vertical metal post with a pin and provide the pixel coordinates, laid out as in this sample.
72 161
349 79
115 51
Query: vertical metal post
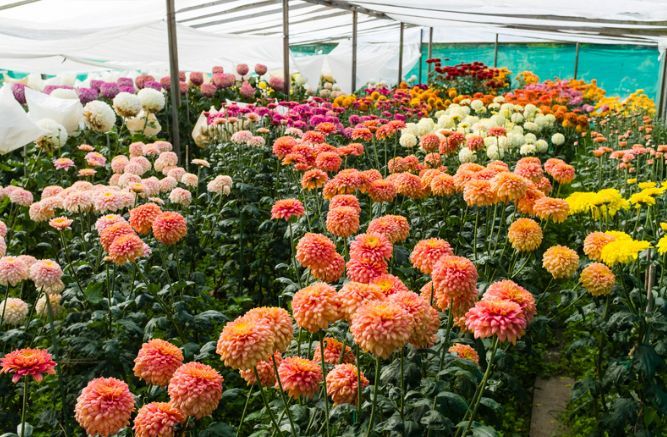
354 50
421 53
286 75
174 89
430 48
576 61
662 87
400 56
495 53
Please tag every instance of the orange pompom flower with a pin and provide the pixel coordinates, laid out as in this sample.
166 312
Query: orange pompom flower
381 191
28 362
595 242
395 227
157 361
286 209
104 406
343 383
455 283
313 179
343 221
389 284
375 247
381 327
597 279
478 192
345 200
510 290
126 249
169 227
157 419
354 294
195 389
331 272
300 377
525 235
333 352
265 370
464 351
245 341
364 270
427 252
443 185
279 321
508 186
316 306
111 232
142 217
549 208
315 251
502 318
425 318
562 262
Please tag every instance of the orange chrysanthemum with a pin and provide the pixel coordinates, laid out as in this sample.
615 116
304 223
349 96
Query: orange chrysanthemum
285 209
343 221
279 321
365 270
597 279
354 294
455 283
265 370
316 306
157 419
110 233
525 235
313 179
508 186
142 217
373 247
510 290
381 191
595 242
427 252
332 271
28 362
104 406
195 389
343 383
562 262
478 192
333 352
395 227
464 351
443 185
425 318
157 361
381 327
245 341
126 249
502 318
315 251
549 208
345 200
169 227
300 377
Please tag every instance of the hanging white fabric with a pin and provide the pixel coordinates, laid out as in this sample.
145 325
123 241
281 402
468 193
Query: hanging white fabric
16 128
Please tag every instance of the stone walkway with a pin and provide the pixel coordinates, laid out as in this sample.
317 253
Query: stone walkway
549 401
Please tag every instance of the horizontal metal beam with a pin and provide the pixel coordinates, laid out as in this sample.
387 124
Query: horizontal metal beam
17 4
292 22
350 7
241 8
274 11
203 5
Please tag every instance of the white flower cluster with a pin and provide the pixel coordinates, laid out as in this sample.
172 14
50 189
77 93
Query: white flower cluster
99 116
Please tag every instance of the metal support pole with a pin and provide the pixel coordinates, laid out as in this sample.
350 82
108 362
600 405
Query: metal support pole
286 75
576 60
421 53
354 50
174 89
662 87
400 56
495 53
430 48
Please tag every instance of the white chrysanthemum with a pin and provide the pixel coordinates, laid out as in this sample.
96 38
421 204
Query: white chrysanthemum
531 126
515 140
541 146
446 122
15 311
99 116
477 105
410 128
558 139
493 152
517 118
494 107
499 99
551 119
64 93
528 149
151 99
530 138
140 124
43 310
55 136
425 126
467 155
126 104
407 140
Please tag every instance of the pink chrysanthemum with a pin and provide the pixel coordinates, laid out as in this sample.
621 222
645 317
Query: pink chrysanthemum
157 419
427 252
169 227
300 377
502 318
12 271
455 283
285 209
126 249
510 290
355 294
245 341
107 220
425 318
157 361
464 351
375 247
195 389
13 311
362 270
47 275
343 383
28 362
381 327
104 406
316 306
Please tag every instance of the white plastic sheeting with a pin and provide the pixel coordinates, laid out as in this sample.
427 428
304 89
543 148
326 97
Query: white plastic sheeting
16 128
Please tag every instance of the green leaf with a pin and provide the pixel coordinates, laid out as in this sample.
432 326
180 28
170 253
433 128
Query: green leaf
94 292
647 360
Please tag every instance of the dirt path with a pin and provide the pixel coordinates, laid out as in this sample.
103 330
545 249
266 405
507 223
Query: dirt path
549 401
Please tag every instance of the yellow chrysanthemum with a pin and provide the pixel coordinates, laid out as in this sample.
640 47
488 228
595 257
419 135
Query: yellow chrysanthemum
623 251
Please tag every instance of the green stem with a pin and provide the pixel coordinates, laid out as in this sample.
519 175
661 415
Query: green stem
482 386
266 403
245 409
324 381
282 395
25 403
402 387
357 353
376 383
445 340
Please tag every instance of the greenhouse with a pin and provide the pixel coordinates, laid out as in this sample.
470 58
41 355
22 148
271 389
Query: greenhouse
333 218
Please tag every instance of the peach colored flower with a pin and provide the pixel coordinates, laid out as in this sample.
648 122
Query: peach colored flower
316 306
331 272
510 290
562 262
142 217
355 294
126 249
111 232
169 227
425 318
427 252
443 185
508 186
28 362
279 321
13 311
381 327
363 270
300 377
478 192
549 208
501 318
395 227
525 235
595 242
389 284
47 275
104 406
455 283
286 209
343 382
245 341
464 351
597 279
345 200
195 389
315 251
333 352
157 361
60 223
157 419
373 247
343 221
12 271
